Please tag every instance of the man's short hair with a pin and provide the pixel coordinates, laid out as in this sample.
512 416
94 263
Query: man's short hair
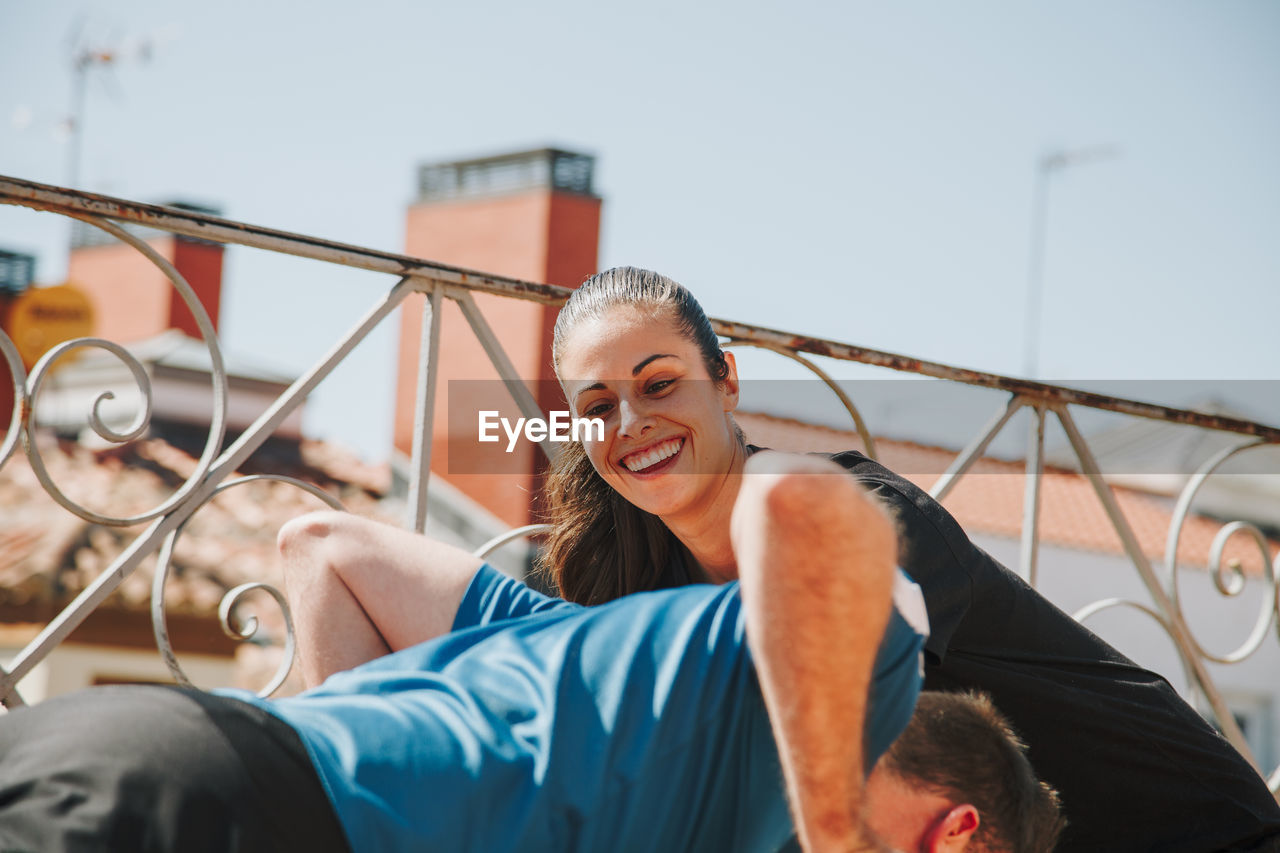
959 746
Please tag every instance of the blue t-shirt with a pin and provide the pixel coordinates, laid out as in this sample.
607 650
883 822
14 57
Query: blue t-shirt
543 725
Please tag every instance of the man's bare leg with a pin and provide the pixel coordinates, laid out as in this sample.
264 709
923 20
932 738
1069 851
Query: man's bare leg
816 558
359 589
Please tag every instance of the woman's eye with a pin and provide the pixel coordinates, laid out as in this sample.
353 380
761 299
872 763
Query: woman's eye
660 385
599 410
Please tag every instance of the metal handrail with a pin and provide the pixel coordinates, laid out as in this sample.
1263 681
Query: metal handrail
193 224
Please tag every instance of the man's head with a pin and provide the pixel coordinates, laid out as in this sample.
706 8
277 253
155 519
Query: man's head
958 779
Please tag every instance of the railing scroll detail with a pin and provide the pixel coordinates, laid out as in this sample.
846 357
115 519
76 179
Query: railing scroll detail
226 608
217 427
18 373
868 441
1228 578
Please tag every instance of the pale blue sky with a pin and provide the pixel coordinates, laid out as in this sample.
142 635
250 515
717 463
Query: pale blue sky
861 171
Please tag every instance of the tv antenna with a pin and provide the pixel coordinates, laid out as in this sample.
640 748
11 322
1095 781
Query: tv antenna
87 55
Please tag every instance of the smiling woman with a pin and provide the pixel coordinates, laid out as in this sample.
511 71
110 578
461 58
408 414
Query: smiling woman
645 507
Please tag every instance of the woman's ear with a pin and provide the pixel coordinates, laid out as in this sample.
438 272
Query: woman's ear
729 387
952 831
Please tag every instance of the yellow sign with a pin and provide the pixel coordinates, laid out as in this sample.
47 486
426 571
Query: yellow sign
40 318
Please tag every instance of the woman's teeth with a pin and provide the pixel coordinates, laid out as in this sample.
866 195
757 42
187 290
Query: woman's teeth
637 462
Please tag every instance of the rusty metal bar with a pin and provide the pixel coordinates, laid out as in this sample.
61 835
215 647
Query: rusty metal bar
1050 395
973 451
213 228
424 420
1030 547
188 223
9 695
511 378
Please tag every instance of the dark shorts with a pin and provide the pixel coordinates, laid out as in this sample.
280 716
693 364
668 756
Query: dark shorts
143 768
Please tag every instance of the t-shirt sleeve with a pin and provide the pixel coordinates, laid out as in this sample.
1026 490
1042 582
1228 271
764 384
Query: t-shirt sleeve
493 596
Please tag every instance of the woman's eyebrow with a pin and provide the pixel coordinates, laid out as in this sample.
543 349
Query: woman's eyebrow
595 386
635 371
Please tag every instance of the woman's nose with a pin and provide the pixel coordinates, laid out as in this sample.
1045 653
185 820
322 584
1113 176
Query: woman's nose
633 420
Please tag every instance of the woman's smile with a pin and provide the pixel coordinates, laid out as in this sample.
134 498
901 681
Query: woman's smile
653 459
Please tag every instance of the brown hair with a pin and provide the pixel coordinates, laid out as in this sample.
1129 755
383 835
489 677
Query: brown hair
601 546
960 747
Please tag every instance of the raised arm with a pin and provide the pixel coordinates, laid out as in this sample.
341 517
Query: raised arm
816 558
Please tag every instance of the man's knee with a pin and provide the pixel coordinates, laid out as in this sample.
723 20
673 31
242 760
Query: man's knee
304 533
320 540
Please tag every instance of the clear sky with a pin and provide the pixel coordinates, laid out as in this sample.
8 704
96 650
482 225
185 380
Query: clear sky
862 171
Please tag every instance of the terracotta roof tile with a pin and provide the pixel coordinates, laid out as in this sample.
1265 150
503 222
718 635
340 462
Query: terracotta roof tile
989 498
47 554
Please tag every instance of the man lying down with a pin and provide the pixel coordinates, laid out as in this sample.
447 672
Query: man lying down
684 719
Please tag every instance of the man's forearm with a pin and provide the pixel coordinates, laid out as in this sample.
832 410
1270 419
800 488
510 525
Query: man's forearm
816 557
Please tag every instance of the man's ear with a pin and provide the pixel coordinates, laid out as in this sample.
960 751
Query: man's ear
951 832
729 387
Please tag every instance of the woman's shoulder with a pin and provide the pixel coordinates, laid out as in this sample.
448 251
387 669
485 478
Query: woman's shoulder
914 509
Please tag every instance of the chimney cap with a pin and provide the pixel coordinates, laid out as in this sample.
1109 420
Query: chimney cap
540 168
17 271
85 236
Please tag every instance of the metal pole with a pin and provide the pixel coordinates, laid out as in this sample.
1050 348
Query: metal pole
502 362
1035 274
974 450
1047 164
78 74
1030 550
423 432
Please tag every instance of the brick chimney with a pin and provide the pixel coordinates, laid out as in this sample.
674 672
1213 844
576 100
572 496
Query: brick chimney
532 215
132 299
17 272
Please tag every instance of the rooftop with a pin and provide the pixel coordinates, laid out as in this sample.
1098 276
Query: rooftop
989 498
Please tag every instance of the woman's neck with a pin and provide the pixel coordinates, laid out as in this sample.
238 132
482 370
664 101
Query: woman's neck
706 534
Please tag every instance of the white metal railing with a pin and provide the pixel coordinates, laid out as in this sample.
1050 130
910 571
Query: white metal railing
439 282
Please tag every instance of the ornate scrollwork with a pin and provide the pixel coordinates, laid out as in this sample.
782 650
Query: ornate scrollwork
510 536
217 427
1228 576
1229 579
247 630
18 372
868 442
1090 610
226 608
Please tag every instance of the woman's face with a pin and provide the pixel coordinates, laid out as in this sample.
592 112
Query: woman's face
668 441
